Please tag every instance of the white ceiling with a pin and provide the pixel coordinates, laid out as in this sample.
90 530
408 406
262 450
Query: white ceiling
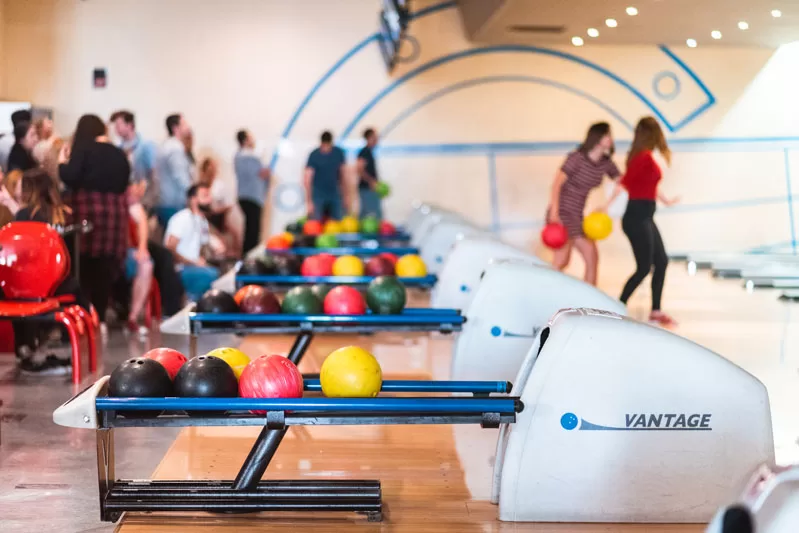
669 22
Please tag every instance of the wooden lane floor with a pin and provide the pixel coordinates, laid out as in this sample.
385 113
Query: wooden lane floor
437 478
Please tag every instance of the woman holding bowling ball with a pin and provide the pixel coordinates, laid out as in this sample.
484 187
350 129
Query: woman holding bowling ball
582 171
641 182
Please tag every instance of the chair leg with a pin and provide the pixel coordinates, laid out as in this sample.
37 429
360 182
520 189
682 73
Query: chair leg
95 317
90 337
79 322
69 324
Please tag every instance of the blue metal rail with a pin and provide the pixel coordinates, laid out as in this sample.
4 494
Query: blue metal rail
405 406
428 317
349 250
399 236
474 387
247 279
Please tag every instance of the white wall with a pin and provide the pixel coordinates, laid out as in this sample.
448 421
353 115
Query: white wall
250 63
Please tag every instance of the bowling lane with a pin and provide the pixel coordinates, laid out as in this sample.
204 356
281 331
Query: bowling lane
437 478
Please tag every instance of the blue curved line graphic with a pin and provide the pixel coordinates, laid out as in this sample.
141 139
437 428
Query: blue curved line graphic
585 425
396 121
495 50
711 100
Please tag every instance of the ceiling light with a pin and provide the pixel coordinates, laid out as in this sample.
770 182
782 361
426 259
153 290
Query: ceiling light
743 25
577 41
632 11
776 13
716 34
611 23
691 43
592 32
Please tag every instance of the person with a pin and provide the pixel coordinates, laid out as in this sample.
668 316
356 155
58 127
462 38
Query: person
141 153
324 175
46 136
42 202
582 171
641 182
174 169
367 172
7 141
11 191
138 264
252 178
188 236
21 155
97 175
224 219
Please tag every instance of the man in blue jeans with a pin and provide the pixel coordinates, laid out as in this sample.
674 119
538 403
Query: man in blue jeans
187 237
367 174
324 175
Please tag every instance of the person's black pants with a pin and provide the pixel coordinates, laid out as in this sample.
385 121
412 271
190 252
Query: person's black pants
97 277
167 278
650 254
252 223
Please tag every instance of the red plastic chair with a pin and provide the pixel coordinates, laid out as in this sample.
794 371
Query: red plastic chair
34 261
153 309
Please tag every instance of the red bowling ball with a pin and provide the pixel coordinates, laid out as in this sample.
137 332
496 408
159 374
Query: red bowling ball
379 266
387 229
260 301
554 236
344 300
171 360
316 266
270 376
391 257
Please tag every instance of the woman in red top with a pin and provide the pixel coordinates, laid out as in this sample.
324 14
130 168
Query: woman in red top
641 181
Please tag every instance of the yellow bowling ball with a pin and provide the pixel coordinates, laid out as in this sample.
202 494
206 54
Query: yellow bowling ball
348 265
332 227
597 226
351 372
349 224
233 357
410 266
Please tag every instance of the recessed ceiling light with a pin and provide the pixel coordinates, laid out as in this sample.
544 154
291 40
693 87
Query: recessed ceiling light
611 23
776 13
743 25
577 41
691 43
716 34
632 11
592 32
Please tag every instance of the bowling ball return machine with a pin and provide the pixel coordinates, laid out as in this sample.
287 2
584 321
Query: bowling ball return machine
284 282
248 492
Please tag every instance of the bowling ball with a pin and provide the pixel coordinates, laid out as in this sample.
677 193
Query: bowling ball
170 359
316 266
387 229
236 359
278 242
301 301
386 295
206 377
327 260
242 292
288 236
391 257
260 301
304 241
411 266
217 302
326 241
332 227
597 226
287 265
271 376
348 265
321 290
351 372
257 266
379 266
554 236
370 225
382 189
294 227
349 224
140 378
344 300
312 227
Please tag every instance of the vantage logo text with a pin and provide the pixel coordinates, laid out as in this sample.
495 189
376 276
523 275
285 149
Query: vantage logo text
644 422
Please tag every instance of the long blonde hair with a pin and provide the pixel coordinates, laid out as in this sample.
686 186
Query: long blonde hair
649 136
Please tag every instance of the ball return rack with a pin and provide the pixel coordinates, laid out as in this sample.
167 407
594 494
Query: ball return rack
283 282
360 251
412 319
365 239
93 409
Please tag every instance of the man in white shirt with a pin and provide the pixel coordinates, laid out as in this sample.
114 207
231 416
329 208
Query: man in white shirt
187 236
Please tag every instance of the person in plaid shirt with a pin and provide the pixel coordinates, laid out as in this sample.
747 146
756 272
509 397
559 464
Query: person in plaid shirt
96 174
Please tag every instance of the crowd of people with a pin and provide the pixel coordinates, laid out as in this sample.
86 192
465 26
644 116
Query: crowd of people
132 191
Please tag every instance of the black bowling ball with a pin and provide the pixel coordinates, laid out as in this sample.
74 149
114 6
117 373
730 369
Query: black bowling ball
294 227
288 265
206 377
258 267
140 378
305 241
217 302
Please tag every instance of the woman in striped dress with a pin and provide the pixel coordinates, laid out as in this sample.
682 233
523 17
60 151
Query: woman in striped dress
582 171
